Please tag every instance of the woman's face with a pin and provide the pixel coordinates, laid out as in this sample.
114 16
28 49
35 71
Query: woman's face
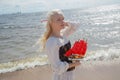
57 22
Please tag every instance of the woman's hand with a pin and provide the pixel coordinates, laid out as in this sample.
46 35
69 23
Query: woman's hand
65 23
75 63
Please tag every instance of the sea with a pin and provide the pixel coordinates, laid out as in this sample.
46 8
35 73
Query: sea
19 32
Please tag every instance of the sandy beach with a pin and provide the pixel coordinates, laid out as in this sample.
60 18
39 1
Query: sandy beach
84 72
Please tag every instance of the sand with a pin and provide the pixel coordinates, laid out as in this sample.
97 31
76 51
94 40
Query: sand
83 72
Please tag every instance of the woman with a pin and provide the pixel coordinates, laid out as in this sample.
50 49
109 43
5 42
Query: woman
56 44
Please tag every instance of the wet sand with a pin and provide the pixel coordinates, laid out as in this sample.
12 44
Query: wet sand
83 72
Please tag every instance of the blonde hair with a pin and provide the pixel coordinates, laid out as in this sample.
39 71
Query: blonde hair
48 31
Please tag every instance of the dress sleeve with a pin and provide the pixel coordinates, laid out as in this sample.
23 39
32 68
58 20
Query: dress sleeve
71 28
53 56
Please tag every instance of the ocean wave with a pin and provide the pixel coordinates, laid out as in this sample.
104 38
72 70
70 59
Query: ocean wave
18 27
105 19
103 55
100 55
5 37
23 64
115 44
7 27
103 8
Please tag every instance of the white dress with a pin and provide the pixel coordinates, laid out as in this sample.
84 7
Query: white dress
52 49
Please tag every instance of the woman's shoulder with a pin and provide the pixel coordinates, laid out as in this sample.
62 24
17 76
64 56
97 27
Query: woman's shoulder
51 41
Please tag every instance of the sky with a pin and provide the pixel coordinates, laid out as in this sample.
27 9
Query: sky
26 6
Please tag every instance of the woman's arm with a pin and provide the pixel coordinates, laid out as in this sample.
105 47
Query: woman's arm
70 28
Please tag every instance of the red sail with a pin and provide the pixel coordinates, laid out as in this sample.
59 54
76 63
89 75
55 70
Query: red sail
79 47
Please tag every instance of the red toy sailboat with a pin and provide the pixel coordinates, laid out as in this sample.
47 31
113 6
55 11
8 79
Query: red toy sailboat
78 49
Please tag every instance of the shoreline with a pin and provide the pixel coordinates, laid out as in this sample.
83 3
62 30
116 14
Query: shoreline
108 71
36 73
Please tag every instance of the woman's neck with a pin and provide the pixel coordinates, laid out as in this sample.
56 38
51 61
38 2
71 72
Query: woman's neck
56 34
